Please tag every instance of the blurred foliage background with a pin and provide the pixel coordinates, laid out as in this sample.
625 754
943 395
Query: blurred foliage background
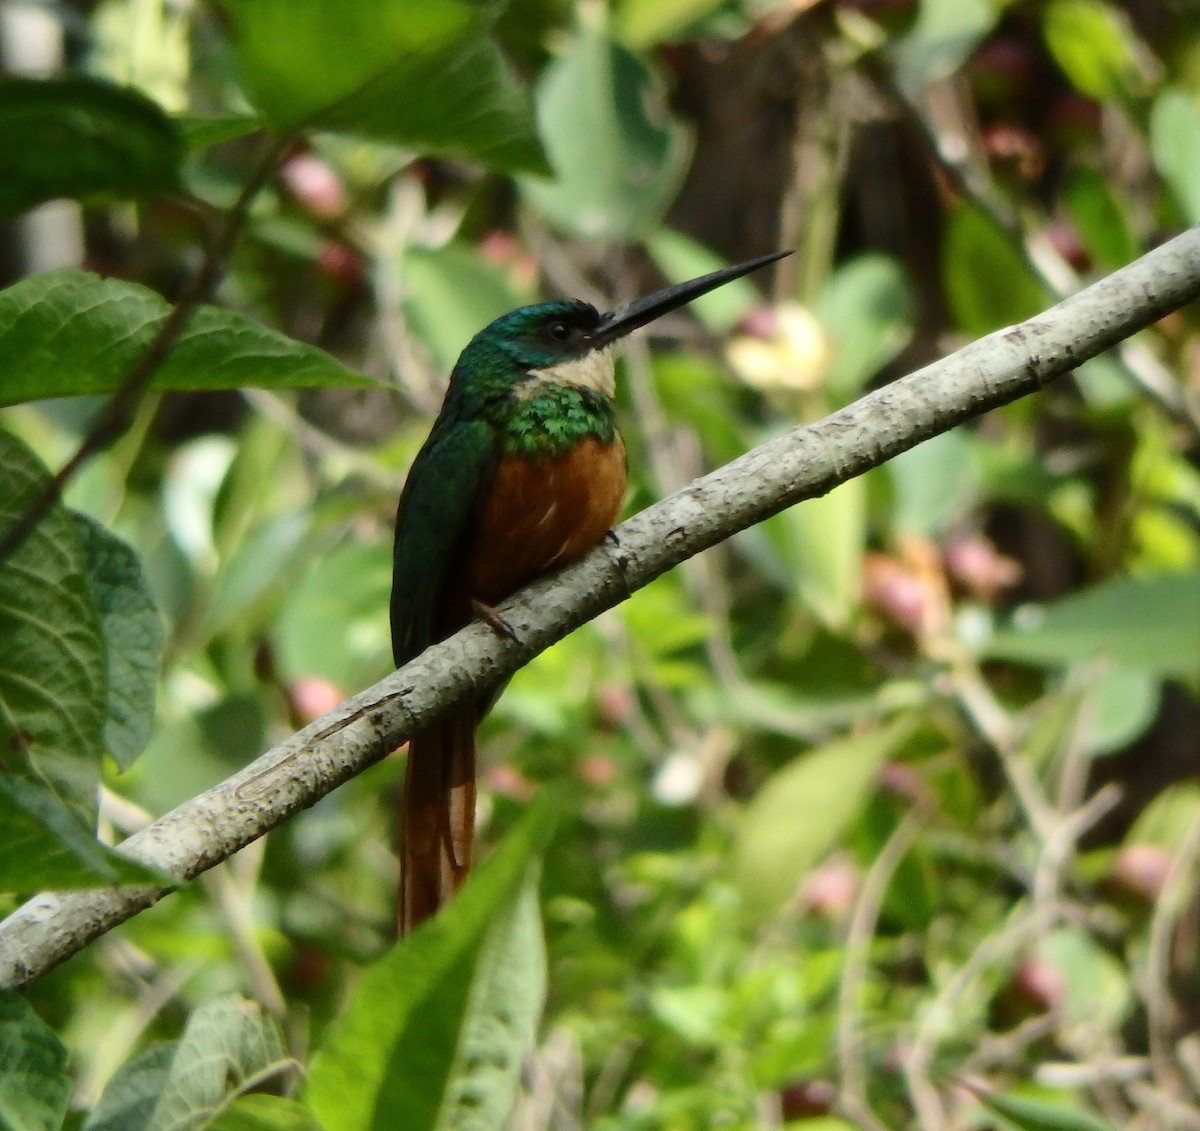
884 814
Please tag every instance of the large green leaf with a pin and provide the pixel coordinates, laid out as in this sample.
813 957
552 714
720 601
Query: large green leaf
199 131
437 1030
452 293
1148 624
866 308
1096 47
822 544
265 1113
1102 219
1096 990
1028 1114
988 284
69 333
647 23
935 483
229 1046
130 1098
34 1084
1175 145
53 693
83 138
330 625
680 258
617 154
800 812
940 41
425 74
133 637
44 845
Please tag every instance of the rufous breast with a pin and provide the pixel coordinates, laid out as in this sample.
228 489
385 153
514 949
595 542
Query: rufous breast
544 513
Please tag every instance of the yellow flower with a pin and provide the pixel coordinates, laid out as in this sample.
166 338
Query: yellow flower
792 353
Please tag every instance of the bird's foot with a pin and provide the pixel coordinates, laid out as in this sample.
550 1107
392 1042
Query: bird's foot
495 621
620 558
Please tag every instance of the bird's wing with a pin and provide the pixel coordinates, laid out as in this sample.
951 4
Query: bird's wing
438 508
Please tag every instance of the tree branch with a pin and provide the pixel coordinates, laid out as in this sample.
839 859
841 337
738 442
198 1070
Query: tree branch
803 463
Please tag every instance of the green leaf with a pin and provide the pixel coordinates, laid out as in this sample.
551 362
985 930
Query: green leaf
1038 1115
300 57
1101 220
618 156
696 390
1120 707
1147 624
82 138
265 1113
1175 146
133 637
424 74
53 693
131 1095
800 812
944 35
988 284
44 845
935 483
695 1013
190 754
199 131
1096 47
330 625
867 310
680 259
1168 818
260 565
34 1085
70 333
1096 988
228 1047
647 23
451 294
437 1030
825 539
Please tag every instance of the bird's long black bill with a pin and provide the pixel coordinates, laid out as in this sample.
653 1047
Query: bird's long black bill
617 323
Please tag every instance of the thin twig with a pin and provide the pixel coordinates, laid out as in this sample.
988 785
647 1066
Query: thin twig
993 724
234 897
1025 924
851 1070
1177 887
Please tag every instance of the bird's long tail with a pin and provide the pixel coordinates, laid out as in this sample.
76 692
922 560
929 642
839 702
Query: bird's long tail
438 826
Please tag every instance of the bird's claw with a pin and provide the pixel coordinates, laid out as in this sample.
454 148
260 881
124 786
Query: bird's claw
495 621
620 558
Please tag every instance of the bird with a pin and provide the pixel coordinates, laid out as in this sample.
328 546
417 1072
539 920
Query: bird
522 472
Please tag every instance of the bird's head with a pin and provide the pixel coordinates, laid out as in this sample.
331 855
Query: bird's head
570 342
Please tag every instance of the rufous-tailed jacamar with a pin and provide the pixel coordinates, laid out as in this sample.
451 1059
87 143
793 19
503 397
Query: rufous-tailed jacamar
523 471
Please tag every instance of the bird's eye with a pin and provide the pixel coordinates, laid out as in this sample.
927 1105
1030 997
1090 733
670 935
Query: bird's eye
558 331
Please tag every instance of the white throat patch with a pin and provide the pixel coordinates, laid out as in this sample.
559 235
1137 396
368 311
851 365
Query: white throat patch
595 370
